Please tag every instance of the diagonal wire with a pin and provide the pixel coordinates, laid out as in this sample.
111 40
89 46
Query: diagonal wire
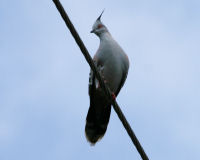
102 84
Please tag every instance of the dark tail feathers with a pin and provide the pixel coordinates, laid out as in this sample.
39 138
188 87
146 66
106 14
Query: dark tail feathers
96 123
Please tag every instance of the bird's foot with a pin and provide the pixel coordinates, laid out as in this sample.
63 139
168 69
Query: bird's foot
113 95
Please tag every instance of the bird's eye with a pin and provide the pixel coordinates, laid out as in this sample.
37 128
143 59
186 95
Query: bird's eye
99 26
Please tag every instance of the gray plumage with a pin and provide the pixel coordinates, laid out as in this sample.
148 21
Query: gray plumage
113 65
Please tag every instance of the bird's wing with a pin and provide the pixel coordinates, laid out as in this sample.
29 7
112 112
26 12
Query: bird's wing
91 85
123 79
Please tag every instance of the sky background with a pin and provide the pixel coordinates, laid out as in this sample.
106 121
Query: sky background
44 79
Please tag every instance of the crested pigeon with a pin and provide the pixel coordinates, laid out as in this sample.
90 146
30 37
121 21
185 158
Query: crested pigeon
113 65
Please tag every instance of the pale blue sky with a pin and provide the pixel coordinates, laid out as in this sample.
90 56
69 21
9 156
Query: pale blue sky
44 79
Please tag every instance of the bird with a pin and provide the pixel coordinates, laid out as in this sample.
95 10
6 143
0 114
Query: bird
112 64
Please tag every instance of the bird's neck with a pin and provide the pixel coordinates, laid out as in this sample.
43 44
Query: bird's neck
106 36
106 40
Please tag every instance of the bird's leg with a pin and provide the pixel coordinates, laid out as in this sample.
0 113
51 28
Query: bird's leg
113 95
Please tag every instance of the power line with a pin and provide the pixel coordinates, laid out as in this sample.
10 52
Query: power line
102 84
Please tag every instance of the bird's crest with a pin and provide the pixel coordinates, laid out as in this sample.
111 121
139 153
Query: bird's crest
99 18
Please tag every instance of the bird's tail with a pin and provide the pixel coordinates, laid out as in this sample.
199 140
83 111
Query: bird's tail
97 122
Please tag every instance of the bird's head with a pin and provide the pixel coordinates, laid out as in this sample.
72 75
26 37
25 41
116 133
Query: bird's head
98 27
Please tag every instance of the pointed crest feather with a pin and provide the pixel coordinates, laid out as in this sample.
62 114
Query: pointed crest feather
99 18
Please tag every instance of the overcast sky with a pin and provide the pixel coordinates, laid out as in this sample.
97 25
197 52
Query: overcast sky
44 79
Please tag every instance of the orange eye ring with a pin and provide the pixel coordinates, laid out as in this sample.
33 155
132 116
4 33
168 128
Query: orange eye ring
99 26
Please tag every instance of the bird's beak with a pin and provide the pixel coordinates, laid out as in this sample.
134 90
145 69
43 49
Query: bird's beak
92 31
